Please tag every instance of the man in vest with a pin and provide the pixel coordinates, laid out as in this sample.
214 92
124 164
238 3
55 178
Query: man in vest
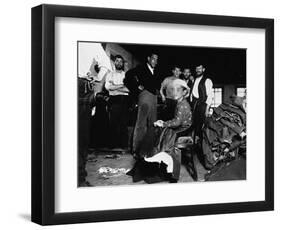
201 98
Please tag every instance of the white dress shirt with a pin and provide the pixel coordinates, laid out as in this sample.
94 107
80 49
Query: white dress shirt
150 68
115 78
209 89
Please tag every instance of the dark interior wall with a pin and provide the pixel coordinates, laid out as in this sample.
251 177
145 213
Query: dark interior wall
223 65
226 67
228 90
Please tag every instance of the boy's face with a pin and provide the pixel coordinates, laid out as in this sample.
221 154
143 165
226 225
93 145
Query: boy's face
179 92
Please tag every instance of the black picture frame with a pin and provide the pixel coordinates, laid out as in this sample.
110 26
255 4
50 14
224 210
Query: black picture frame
43 114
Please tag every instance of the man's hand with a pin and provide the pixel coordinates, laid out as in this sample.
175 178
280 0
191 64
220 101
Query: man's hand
163 98
207 112
140 87
159 123
88 77
243 134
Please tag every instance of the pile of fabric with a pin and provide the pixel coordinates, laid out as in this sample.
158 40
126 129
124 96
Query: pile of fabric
224 133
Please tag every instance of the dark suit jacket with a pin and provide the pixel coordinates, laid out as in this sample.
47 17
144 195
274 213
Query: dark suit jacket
141 75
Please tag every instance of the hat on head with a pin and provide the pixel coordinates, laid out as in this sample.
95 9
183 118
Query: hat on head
182 83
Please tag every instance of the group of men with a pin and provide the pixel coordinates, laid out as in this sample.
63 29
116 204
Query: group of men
142 83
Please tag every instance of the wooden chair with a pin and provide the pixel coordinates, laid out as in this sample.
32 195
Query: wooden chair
185 142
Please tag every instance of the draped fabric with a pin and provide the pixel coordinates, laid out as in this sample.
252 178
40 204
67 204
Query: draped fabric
223 131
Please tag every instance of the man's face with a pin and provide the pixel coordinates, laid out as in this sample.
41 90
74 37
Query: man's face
126 65
199 70
191 78
119 63
153 60
186 73
177 72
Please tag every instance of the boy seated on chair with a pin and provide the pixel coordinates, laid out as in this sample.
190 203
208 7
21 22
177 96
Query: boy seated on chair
170 129
165 136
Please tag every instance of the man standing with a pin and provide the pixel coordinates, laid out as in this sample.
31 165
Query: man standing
167 89
188 77
167 94
143 85
201 98
118 104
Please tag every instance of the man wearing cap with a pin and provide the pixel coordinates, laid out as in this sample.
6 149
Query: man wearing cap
201 98
182 115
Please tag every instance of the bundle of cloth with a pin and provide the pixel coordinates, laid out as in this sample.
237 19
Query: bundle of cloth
224 133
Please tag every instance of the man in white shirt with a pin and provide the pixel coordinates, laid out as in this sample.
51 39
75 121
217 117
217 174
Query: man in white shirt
201 98
118 105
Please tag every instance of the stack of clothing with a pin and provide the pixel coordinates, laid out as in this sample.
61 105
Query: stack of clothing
224 133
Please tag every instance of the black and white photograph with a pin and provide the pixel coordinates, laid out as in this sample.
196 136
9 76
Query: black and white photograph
160 114
140 114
